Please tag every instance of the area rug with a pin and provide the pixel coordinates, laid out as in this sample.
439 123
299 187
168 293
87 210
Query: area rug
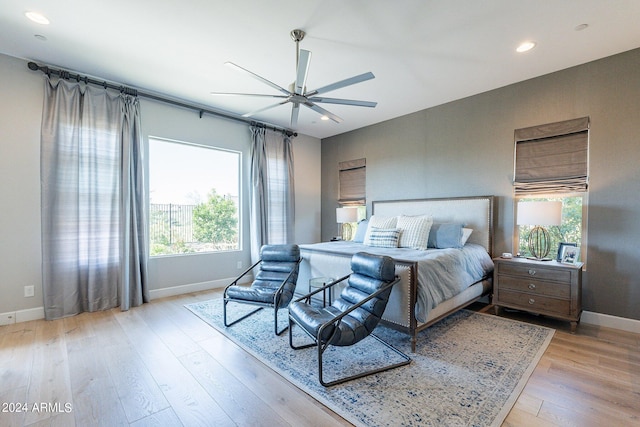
468 369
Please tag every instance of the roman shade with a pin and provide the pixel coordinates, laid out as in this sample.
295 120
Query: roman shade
352 176
552 158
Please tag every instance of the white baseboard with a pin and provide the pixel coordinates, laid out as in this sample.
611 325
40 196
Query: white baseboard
608 321
7 318
21 316
188 288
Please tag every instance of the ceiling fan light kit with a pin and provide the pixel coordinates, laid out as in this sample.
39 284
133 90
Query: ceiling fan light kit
297 93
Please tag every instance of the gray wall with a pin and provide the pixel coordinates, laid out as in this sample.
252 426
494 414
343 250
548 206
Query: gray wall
20 251
466 148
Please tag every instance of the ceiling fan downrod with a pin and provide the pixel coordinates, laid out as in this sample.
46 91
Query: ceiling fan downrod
297 36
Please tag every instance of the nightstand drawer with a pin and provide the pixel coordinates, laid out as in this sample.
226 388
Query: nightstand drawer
521 284
536 303
535 271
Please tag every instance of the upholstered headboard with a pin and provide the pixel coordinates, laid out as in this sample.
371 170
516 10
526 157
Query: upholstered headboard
475 212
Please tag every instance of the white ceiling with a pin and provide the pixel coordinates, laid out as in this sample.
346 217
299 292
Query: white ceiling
422 52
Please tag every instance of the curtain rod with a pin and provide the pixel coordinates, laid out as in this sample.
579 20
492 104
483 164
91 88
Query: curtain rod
63 74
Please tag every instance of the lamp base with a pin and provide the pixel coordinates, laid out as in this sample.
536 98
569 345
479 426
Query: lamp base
347 231
539 242
539 259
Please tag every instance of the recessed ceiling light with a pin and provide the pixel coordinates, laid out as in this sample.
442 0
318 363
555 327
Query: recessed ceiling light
36 17
525 47
324 118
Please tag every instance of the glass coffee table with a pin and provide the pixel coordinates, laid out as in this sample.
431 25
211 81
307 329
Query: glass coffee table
319 282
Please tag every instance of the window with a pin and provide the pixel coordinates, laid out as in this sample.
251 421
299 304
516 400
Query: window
352 175
353 179
552 164
194 198
570 230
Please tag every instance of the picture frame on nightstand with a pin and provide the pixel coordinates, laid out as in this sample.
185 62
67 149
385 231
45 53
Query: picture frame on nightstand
561 247
570 255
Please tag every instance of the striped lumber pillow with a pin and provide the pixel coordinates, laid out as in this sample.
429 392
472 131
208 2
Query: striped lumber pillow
384 237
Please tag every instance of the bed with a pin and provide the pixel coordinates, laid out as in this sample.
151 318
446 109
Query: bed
422 297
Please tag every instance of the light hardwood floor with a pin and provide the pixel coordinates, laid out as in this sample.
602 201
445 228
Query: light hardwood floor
160 365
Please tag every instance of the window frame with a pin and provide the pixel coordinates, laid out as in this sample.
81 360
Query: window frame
583 233
352 182
240 163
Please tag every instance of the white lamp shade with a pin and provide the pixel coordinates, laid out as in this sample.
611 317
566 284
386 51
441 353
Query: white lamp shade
344 215
539 213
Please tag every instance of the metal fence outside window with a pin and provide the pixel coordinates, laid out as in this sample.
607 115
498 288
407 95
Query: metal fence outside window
171 223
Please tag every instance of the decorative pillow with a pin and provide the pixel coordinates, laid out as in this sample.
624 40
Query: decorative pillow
446 235
361 231
384 237
414 231
466 232
379 222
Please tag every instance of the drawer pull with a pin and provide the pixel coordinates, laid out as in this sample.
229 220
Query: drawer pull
532 272
532 286
532 301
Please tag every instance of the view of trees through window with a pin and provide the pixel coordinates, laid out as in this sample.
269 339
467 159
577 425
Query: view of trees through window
569 231
194 198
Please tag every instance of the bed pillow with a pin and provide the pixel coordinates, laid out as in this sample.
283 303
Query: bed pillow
379 222
447 235
361 231
383 237
414 231
466 232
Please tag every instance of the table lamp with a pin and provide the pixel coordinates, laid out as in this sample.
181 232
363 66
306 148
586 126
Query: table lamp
539 214
346 216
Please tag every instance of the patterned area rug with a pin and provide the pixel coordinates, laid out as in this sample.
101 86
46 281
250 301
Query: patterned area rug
468 369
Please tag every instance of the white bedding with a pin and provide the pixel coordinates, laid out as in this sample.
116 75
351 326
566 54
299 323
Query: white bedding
442 273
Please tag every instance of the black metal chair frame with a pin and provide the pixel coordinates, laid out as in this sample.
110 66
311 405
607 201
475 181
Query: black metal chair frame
324 345
276 299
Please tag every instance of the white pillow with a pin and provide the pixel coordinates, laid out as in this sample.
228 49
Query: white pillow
379 222
414 231
466 232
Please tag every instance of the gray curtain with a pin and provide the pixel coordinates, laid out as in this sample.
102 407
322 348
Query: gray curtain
94 243
272 189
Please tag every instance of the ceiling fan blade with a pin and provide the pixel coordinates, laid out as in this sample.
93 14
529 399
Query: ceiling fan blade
268 107
294 114
322 111
343 101
247 94
342 83
301 73
257 77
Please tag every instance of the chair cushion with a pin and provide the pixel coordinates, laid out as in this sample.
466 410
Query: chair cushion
261 292
277 262
370 274
310 318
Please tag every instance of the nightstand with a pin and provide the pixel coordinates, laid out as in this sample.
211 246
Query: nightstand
542 287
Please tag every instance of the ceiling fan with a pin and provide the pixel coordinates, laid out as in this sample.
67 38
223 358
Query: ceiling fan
297 93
